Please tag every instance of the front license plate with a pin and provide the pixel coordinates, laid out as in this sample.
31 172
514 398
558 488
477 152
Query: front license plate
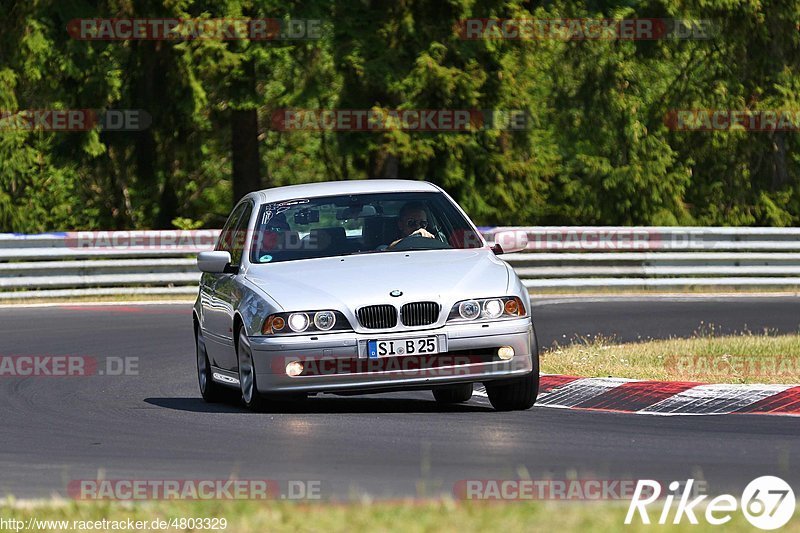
395 347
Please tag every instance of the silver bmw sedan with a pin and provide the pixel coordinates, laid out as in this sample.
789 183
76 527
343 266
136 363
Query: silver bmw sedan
359 287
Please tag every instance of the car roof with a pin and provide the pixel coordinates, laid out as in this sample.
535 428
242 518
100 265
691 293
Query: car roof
333 188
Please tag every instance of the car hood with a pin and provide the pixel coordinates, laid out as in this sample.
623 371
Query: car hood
350 282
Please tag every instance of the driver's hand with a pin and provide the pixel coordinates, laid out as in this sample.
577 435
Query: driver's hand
424 233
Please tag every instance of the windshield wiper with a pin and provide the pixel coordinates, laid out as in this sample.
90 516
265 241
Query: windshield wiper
364 252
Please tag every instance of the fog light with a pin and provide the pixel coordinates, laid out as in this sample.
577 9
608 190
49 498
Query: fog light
505 353
293 369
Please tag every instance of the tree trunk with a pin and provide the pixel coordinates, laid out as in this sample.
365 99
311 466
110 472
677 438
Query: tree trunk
146 147
244 137
383 165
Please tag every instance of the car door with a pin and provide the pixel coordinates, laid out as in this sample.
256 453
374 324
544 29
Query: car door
216 320
228 291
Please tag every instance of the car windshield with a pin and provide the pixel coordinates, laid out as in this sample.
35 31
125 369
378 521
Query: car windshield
361 223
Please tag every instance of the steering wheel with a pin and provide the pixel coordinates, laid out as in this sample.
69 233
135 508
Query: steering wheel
416 241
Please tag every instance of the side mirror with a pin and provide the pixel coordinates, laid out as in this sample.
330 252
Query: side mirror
497 249
511 241
213 262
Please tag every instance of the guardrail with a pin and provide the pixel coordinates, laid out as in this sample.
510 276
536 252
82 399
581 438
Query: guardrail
77 264
632 257
101 263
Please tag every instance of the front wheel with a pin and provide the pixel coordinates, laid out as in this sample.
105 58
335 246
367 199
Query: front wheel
247 375
453 393
517 394
251 398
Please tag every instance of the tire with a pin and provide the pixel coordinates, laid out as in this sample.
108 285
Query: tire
516 394
248 385
453 393
211 391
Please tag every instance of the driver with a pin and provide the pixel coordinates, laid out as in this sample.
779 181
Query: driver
413 220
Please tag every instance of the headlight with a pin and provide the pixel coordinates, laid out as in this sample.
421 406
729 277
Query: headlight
305 322
298 322
324 320
487 309
469 310
493 308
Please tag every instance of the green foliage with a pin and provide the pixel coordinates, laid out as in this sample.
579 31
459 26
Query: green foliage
597 149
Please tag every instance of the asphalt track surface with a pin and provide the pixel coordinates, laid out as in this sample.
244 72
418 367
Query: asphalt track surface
155 426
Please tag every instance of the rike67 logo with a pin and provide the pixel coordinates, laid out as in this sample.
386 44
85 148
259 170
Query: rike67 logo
767 502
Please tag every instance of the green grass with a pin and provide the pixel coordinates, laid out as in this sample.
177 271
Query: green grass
705 357
407 516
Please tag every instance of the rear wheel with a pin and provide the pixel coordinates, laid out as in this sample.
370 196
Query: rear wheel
453 393
211 391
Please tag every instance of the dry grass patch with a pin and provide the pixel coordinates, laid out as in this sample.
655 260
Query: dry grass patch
705 357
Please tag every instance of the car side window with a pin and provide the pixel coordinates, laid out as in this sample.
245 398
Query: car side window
225 240
239 235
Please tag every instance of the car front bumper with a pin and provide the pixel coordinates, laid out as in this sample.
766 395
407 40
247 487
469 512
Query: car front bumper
337 358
